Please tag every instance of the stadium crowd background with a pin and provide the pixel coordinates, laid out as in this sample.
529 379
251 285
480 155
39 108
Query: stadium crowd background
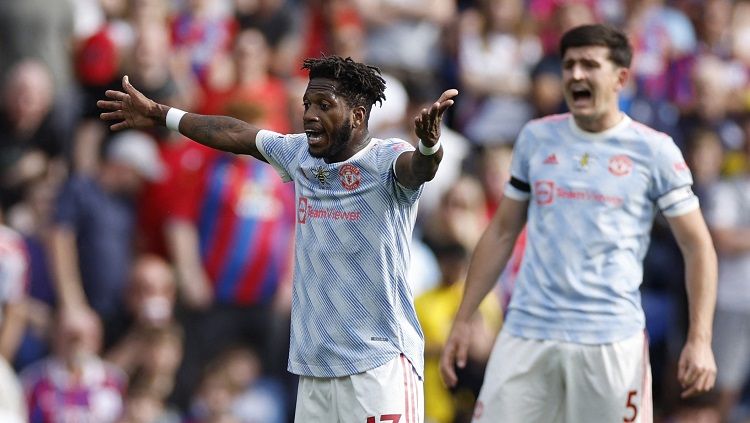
184 254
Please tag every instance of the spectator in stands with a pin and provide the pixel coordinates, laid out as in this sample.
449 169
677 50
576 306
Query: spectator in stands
74 383
92 238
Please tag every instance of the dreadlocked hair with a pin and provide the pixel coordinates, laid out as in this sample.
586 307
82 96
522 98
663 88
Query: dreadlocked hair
358 83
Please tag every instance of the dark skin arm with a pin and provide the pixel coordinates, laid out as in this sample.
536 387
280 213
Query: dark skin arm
414 168
130 109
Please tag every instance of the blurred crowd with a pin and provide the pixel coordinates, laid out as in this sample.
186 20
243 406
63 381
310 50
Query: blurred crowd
146 279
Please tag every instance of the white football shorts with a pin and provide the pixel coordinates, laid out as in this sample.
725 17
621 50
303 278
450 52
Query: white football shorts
391 393
543 381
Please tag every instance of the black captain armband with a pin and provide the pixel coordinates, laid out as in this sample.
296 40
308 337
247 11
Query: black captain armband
519 184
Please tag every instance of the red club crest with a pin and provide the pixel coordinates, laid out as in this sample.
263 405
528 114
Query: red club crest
620 165
349 177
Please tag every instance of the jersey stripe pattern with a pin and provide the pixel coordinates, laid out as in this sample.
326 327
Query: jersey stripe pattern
592 201
352 307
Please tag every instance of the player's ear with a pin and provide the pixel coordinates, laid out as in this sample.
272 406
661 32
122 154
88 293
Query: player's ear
358 116
623 74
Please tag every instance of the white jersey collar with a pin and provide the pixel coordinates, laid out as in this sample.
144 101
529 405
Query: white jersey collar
598 136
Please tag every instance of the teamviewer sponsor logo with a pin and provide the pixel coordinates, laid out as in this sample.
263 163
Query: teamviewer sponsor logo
306 210
302 210
544 191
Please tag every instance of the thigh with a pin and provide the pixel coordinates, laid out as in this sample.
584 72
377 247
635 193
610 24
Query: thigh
731 344
315 401
608 383
522 383
391 393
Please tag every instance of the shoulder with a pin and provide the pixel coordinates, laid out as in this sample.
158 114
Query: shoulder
648 133
545 125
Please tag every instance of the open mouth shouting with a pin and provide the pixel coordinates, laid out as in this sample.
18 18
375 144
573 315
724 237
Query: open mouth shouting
314 136
582 96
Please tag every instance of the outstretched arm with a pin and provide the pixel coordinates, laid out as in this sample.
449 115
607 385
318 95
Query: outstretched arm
489 258
417 167
130 109
697 368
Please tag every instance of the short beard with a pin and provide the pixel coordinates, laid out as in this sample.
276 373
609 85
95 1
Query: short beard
339 140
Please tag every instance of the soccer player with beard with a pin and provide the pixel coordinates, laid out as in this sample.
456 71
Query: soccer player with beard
355 339
587 185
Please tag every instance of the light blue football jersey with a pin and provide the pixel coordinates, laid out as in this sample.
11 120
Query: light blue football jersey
592 201
352 307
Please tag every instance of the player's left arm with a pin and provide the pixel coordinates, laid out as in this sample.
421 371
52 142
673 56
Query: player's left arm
419 166
697 367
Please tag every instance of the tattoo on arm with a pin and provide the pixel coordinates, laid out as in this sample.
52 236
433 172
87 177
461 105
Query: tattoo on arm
222 133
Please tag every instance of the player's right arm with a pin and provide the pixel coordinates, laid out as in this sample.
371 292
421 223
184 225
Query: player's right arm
131 109
489 259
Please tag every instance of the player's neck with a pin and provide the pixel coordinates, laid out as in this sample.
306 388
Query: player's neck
599 123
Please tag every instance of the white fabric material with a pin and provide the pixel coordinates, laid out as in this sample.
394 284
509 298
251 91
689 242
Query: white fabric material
592 205
392 392
536 381
352 306
428 151
174 115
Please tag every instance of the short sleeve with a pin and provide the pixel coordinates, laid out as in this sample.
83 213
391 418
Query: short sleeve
518 187
392 149
672 181
281 151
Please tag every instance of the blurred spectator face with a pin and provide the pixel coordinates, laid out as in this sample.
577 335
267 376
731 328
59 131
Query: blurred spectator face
711 89
152 289
349 41
142 408
214 397
705 156
741 31
28 94
504 14
242 367
114 8
495 171
150 61
546 95
715 20
78 337
146 11
591 82
571 14
251 52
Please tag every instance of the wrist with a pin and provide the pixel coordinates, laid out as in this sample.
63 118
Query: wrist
428 151
173 118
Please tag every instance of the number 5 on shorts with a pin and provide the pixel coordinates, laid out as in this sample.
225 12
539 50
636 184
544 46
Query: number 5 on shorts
629 406
394 418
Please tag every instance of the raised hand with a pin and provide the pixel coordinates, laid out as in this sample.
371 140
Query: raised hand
427 123
130 109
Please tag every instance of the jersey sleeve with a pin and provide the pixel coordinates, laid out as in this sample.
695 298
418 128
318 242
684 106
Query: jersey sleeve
281 151
518 188
392 149
672 181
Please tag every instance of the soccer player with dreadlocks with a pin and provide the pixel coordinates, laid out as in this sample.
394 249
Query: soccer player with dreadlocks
355 339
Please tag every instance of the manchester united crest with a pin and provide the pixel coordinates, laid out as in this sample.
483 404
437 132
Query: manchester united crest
349 177
620 165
